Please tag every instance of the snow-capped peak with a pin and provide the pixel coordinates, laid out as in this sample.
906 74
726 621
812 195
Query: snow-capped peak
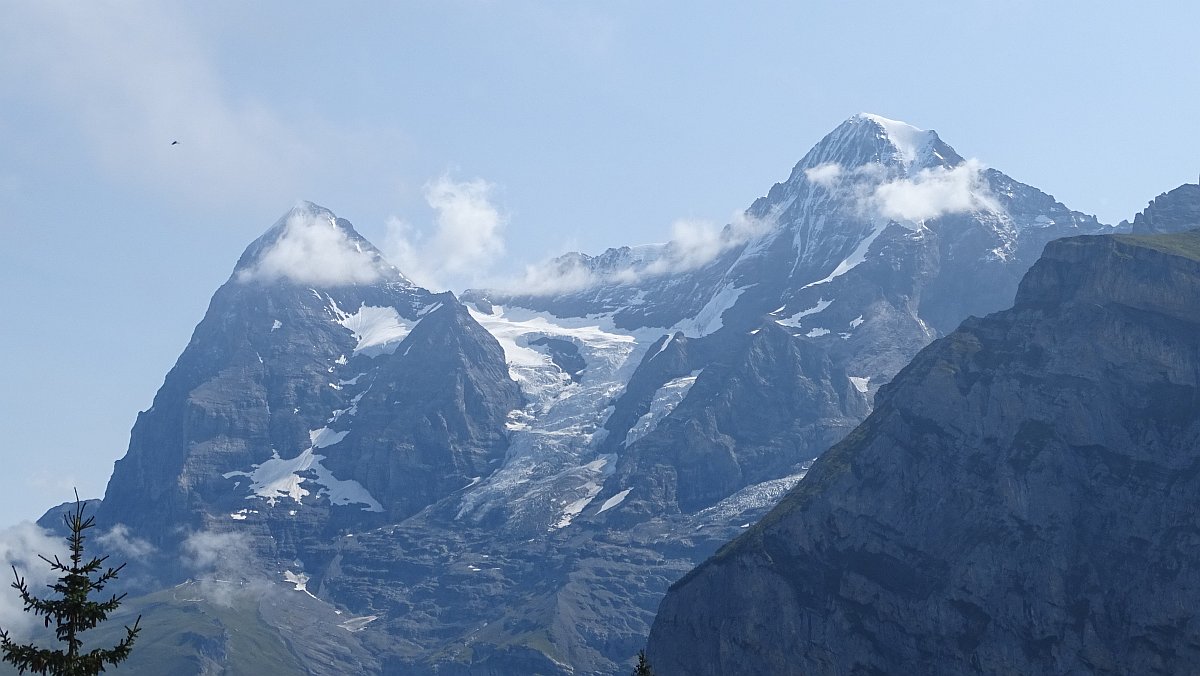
310 245
869 139
908 140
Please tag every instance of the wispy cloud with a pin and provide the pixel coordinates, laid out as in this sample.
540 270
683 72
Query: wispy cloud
313 250
693 244
223 564
128 78
124 545
464 241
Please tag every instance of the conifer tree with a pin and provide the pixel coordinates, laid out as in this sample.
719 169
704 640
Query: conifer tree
72 613
643 667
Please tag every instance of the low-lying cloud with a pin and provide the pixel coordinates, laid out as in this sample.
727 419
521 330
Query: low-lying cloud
119 542
222 563
20 546
465 240
313 250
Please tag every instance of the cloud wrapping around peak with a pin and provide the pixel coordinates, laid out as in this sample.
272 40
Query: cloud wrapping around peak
466 239
693 244
928 194
935 192
312 249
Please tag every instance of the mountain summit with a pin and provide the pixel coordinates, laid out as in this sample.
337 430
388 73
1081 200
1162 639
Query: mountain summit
310 245
868 139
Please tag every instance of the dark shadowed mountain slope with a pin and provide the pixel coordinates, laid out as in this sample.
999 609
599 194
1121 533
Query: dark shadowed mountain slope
1022 499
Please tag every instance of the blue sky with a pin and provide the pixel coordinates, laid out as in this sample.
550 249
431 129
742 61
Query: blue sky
472 138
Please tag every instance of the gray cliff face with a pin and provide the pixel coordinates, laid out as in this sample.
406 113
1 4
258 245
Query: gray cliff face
1020 501
1175 211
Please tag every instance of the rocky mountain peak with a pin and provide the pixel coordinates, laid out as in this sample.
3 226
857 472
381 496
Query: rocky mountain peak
1172 211
310 245
869 139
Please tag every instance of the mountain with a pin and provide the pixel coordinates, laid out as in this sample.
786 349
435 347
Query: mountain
1174 211
1019 501
256 425
508 483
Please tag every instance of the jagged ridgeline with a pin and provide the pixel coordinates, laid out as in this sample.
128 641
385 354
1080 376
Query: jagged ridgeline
1022 499
510 481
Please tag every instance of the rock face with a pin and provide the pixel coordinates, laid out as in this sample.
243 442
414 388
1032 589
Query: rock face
509 484
1021 500
1174 211
313 332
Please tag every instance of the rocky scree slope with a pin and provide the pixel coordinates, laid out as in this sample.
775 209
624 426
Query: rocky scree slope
1020 501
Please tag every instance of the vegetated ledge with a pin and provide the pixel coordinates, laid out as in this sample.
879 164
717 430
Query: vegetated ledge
1153 273
1186 244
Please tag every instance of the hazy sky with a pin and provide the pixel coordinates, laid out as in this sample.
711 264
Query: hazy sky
469 138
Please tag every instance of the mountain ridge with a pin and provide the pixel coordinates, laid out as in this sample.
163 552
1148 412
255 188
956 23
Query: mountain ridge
510 483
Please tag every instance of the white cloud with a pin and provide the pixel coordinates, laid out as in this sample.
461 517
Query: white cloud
825 175
466 239
123 545
934 192
20 546
693 244
561 275
313 250
223 564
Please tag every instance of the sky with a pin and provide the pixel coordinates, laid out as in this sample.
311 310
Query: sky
471 138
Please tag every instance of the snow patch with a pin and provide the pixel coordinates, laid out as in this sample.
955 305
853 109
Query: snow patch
300 580
856 322
378 330
857 256
860 383
600 468
279 478
817 333
709 319
664 401
794 320
358 623
277 325
614 501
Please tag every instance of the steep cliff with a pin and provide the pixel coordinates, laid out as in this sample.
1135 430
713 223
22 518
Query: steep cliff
1021 500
